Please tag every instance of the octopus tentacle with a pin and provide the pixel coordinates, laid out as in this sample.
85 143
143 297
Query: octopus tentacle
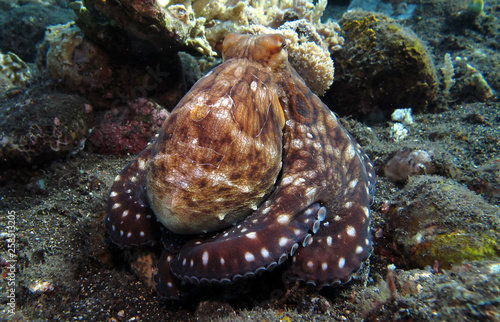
249 144
130 221
261 247
167 285
338 248
343 240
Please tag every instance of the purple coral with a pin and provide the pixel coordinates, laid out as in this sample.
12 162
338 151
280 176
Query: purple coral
128 129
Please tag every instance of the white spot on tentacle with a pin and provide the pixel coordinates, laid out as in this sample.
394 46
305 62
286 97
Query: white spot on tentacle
297 144
252 235
283 219
351 231
249 257
350 152
113 194
311 192
142 164
366 211
283 241
322 214
341 262
264 252
359 249
299 181
116 205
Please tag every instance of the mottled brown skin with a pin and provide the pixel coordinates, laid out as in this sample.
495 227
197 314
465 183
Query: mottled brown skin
321 164
220 153
310 183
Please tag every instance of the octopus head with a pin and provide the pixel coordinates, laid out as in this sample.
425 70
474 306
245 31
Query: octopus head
269 50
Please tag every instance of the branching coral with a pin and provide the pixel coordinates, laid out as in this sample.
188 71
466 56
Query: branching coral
307 52
225 16
189 25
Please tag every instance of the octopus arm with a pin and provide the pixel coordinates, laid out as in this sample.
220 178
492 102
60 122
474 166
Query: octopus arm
332 255
130 221
343 240
259 243
167 285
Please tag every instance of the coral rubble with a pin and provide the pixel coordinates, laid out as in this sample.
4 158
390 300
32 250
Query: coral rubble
78 65
39 128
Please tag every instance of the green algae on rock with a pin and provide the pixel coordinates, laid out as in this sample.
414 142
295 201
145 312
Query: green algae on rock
382 66
438 219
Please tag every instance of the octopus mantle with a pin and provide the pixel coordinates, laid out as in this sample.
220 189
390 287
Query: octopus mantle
250 170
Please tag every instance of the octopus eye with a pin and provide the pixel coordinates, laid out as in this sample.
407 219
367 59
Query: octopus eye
273 43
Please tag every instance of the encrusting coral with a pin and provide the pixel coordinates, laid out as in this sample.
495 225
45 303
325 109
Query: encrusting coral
189 25
14 68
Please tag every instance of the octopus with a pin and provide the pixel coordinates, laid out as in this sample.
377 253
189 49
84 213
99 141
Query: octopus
251 170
